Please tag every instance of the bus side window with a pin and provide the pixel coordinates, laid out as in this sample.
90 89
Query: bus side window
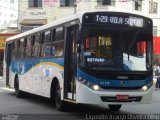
32 44
28 47
53 50
29 41
45 49
59 34
58 49
17 44
36 45
13 45
58 42
47 36
17 52
47 40
21 50
53 35
37 39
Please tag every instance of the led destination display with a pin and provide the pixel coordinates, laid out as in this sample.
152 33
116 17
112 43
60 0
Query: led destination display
117 20
131 21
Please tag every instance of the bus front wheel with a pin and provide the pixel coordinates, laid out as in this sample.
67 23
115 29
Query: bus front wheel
114 107
60 105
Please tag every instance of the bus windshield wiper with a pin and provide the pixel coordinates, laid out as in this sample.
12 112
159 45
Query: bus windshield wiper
132 42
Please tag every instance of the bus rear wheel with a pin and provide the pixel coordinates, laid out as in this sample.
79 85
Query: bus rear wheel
18 93
60 105
114 107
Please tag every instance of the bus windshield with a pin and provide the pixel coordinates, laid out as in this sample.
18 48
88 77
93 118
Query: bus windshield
115 50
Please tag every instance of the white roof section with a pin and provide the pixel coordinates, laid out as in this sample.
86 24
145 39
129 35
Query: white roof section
54 23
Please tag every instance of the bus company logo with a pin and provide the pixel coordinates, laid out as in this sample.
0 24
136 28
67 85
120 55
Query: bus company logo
122 83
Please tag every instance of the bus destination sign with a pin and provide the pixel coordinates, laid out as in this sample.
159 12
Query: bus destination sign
131 21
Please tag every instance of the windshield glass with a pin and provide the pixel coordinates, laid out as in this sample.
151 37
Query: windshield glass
115 50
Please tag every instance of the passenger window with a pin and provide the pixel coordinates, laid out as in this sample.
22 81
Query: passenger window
28 41
53 35
33 40
28 47
13 45
28 52
35 51
22 43
21 49
47 36
47 50
59 34
57 49
37 39
17 45
42 51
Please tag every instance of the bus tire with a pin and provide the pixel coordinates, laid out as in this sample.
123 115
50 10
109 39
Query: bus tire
60 104
114 107
18 93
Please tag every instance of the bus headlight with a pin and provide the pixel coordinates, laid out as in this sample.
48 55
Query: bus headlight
95 87
144 88
89 84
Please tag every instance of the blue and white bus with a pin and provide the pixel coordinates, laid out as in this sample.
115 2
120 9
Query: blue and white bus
99 58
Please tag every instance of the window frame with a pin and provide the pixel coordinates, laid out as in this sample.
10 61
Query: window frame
138 5
104 3
35 4
67 3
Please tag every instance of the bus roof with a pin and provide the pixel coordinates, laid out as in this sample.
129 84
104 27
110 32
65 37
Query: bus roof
63 20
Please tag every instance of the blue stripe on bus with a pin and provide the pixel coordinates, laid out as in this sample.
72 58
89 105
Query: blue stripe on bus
114 83
22 66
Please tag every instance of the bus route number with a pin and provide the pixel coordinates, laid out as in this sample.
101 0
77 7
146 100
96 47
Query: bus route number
101 18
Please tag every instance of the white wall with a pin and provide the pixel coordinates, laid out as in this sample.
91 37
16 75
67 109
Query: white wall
54 11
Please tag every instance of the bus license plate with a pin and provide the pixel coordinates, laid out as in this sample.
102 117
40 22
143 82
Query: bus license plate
122 97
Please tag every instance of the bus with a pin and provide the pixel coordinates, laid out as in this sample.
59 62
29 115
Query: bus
97 58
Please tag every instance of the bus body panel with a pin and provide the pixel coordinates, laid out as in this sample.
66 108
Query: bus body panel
35 76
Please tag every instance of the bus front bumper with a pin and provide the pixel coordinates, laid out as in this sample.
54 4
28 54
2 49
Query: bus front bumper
86 95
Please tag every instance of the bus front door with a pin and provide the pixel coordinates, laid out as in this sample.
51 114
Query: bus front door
70 64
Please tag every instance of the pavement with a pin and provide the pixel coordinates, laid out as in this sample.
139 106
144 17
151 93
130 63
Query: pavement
35 103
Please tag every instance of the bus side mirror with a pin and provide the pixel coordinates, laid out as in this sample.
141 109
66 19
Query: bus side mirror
78 33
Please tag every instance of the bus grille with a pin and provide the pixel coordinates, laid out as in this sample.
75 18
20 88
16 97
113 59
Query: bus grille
115 76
